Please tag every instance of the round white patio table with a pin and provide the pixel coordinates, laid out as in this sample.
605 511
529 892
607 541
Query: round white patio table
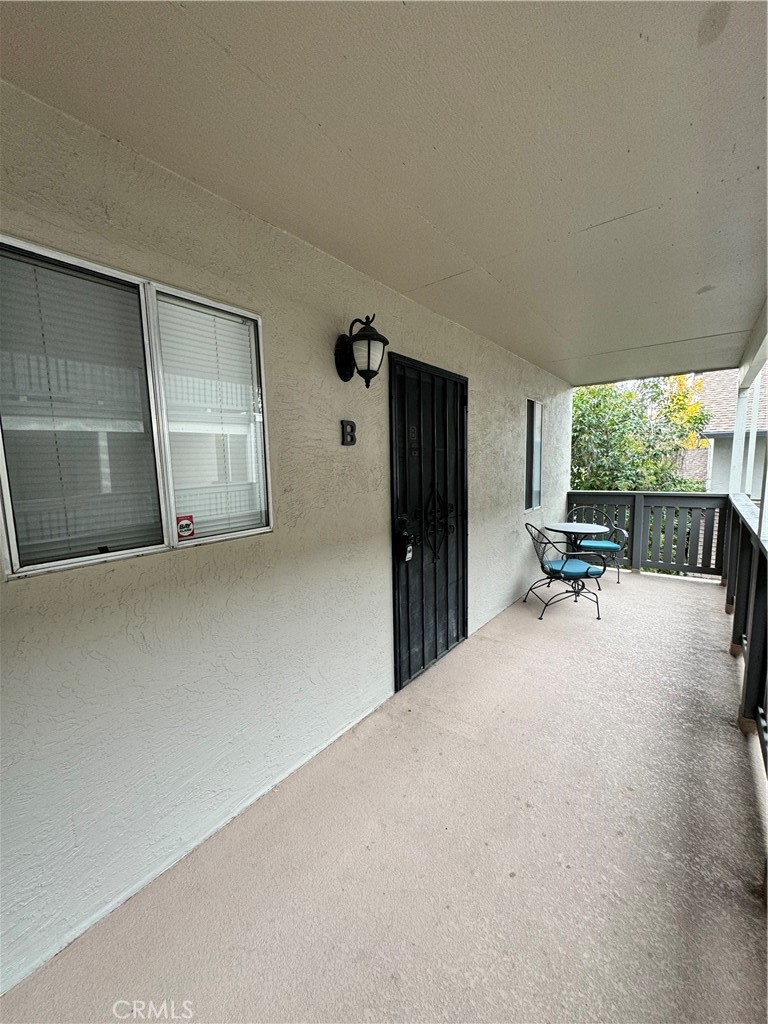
577 531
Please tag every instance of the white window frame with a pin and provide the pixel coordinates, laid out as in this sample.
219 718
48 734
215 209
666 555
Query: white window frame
530 440
148 293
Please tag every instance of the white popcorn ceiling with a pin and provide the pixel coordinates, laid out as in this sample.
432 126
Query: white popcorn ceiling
584 184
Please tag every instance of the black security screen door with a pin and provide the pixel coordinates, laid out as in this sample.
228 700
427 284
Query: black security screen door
428 423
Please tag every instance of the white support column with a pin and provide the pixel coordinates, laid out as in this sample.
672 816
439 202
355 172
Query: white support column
749 469
763 521
710 461
737 451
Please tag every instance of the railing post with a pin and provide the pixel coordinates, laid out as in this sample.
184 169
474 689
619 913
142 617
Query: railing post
727 550
743 585
733 560
754 688
637 532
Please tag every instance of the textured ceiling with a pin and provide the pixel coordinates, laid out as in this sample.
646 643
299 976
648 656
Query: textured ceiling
583 183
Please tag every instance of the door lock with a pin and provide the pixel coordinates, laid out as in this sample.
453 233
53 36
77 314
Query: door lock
403 540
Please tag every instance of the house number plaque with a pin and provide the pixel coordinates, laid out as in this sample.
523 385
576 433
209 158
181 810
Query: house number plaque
348 435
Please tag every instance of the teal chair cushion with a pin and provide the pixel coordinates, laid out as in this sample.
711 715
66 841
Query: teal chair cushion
600 545
575 568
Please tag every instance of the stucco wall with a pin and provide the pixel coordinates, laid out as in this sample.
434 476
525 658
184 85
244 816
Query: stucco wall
146 702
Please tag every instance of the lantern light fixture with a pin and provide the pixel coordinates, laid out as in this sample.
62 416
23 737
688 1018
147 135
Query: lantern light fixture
362 352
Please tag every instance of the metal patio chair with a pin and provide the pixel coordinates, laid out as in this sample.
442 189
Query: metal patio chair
612 546
572 568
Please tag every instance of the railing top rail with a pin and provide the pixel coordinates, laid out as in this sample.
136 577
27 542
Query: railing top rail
660 494
749 514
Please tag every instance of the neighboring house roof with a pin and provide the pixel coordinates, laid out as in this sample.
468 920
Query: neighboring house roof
718 396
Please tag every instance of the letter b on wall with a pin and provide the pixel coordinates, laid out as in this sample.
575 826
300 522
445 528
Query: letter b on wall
348 435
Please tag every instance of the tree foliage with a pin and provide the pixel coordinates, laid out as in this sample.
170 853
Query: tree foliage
633 436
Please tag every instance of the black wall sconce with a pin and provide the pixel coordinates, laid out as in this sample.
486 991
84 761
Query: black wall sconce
363 351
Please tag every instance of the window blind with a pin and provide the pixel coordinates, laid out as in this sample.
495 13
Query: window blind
75 412
213 407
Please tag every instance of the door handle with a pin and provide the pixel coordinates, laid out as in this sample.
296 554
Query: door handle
404 540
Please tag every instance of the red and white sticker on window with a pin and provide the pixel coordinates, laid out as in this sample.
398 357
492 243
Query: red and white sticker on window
185 527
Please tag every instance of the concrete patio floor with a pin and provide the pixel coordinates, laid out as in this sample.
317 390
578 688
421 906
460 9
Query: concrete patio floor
559 822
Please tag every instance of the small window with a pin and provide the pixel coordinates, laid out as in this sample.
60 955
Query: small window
533 455
215 426
132 418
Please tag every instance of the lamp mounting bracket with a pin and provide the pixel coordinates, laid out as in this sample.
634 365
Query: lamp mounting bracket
345 360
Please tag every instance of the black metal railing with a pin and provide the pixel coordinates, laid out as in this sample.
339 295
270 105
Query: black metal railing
676 531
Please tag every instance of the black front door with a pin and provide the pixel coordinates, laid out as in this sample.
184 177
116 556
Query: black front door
428 424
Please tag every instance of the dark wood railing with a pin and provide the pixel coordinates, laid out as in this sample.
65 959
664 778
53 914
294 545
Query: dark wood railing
711 535
676 531
745 570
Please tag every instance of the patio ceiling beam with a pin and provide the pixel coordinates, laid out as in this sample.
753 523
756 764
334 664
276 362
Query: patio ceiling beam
755 352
